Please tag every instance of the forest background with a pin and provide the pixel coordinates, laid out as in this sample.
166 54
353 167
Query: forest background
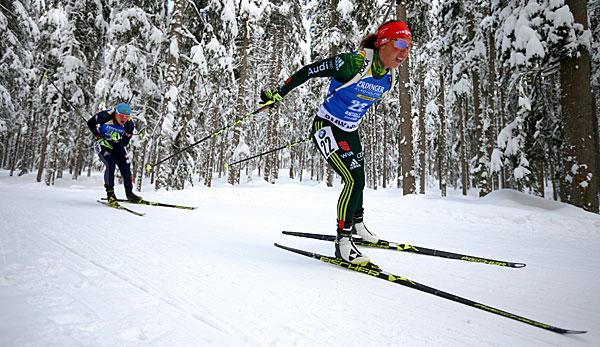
496 94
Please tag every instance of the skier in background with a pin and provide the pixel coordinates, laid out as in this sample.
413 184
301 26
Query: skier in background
113 129
358 80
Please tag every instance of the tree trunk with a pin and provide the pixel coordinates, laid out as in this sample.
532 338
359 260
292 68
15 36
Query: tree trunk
141 167
79 150
270 159
385 152
16 153
210 164
406 128
464 165
165 176
28 153
373 150
580 146
234 172
500 180
43 149
422 137
481 171
441 148
53 145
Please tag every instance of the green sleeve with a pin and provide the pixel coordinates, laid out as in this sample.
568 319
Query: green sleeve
342 67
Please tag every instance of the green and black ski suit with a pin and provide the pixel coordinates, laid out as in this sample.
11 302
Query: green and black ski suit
358 80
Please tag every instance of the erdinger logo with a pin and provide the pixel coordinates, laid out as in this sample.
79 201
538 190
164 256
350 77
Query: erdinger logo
322 133
371 87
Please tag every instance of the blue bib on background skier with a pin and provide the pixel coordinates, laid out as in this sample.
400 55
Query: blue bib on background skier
112 131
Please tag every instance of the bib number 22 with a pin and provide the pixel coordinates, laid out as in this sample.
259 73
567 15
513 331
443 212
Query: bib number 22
326 141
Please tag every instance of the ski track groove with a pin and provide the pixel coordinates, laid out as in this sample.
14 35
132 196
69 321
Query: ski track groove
142 288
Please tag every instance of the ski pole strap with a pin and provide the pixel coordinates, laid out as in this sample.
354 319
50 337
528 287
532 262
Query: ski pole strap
289 145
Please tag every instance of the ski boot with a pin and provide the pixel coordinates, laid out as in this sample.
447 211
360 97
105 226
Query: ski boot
359 228
111 198
346 250
132 197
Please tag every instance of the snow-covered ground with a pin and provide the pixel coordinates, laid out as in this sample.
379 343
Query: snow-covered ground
73 272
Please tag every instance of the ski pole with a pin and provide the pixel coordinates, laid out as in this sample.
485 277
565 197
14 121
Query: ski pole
289 145
64 96
217 132
76 109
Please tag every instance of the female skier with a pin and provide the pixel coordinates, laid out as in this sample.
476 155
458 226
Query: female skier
358 80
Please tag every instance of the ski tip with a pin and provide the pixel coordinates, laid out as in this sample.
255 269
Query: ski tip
573 332
518 265
290 249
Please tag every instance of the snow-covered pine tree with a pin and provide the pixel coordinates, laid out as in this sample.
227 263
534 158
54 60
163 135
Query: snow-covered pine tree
130 57
90 32
62 59
580 148
286 33
174 121
422 55
405 142
16 81
535 39
451 21
218 44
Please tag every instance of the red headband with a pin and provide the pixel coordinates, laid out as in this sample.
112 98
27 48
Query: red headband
392 30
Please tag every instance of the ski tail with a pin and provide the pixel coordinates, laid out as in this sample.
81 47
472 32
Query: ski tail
376 272
411 249
321 237
155 203
121 207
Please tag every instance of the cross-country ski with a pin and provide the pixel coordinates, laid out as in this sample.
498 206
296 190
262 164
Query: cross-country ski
403 247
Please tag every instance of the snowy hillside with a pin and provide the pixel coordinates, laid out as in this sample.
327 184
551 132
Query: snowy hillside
73 272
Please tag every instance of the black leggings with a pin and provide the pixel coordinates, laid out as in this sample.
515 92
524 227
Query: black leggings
347 161
118 158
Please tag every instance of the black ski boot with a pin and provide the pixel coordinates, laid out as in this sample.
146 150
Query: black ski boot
132 197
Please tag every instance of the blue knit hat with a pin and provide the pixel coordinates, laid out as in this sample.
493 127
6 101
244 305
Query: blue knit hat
123 108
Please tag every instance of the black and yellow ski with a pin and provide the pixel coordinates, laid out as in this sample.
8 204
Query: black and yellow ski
410 248
377 272
154 203
121 207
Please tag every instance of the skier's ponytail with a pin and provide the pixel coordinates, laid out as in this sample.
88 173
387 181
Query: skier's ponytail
369 41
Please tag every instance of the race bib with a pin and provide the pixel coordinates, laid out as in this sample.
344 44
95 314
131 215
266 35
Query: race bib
326 141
